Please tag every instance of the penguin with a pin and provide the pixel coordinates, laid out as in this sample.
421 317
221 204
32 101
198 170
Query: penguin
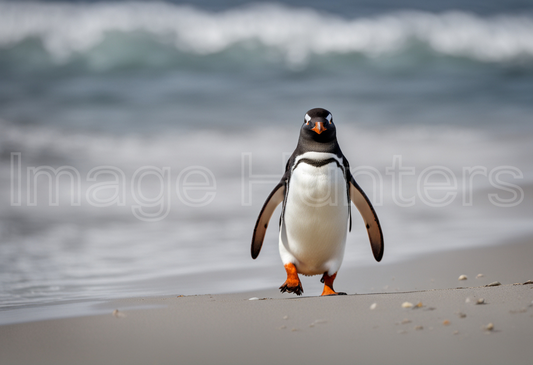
315 192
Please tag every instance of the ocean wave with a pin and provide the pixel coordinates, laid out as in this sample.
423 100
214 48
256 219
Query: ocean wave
296 33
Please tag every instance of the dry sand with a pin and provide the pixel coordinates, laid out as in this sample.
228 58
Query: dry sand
448 327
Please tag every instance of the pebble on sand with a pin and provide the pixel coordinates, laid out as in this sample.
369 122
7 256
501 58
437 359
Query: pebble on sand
529 282
254 298
373 306
446 322
463 277
479 276
480 301
118 314
407 305
489 327
494 283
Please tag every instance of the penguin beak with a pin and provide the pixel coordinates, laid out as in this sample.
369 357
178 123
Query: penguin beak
319 127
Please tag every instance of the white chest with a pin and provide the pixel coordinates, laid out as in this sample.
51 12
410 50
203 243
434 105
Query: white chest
316 214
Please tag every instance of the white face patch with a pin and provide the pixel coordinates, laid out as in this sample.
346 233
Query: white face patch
307 118
329 118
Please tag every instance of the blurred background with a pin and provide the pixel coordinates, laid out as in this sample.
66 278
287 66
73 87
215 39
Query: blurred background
220 89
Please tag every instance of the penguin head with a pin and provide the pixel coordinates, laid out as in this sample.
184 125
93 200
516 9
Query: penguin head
318 126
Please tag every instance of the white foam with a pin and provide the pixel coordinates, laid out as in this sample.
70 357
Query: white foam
66 29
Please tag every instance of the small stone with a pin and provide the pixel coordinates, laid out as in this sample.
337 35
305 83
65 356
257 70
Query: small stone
446 322
463 277
283 327
480 301
285 317
317 321
373 306
294 330
529 282
254 298
455 332
478 276
405 321
461 315
118 314
407 305
419 328
494 283
490 327
419 305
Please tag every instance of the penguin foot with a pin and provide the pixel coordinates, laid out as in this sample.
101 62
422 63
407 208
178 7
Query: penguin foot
328 285
289 287
292 284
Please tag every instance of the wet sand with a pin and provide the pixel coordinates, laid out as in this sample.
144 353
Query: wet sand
446 325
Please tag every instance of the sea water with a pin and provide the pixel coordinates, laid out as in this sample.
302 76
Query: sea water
139 140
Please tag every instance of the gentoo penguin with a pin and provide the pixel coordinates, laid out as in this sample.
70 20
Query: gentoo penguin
316 190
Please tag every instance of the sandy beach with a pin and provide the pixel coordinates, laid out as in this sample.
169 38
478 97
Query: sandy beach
451 321
139 141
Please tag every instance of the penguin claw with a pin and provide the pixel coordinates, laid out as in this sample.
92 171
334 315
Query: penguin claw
287 288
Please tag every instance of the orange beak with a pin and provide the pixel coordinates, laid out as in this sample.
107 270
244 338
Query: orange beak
319 127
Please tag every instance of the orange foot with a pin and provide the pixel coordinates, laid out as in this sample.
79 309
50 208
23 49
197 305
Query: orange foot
292 284
328 285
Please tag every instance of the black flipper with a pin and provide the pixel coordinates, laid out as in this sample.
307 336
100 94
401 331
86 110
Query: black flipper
370 217
274 199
